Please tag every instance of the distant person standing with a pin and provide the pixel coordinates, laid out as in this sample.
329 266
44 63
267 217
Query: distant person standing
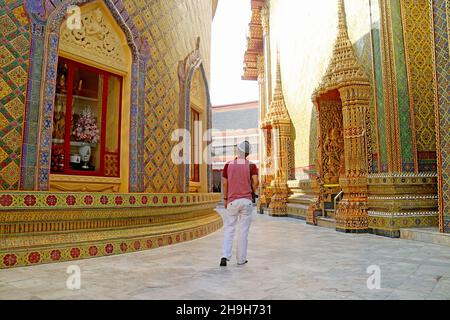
240 178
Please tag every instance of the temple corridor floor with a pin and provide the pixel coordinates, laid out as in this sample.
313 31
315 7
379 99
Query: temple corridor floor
287 260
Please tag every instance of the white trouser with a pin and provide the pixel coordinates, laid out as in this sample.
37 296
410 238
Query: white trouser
238 210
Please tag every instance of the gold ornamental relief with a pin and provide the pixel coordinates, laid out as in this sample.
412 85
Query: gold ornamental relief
96 40
197 94
331 128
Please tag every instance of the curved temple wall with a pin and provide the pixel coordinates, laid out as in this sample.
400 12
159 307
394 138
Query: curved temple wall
43 227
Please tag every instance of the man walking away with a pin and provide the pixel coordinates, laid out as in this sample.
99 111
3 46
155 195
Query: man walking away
240 178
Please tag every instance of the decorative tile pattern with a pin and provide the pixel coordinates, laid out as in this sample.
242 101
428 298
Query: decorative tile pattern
59 253
79 200
171 35
402 89
14 61
390 224
5 57
442 59
99 226
14 108
10 173
5 89
18 76
379 86
21 44
3 121
419 51
111 165
7 25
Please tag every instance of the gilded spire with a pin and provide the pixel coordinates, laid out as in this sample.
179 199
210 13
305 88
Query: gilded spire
278 85
277 110
344 68
342 17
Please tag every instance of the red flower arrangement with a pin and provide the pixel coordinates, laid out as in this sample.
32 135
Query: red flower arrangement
86 128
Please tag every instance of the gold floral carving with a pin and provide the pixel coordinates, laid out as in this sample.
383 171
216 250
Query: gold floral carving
196 93
265 18
331 140
95 40
84 183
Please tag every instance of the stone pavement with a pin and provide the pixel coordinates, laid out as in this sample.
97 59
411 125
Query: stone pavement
287 260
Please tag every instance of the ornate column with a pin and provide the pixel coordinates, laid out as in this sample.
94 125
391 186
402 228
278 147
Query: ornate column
262 137
351 214
265 22
278 122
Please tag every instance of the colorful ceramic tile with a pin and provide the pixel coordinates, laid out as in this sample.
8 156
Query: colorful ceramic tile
7 25
442 58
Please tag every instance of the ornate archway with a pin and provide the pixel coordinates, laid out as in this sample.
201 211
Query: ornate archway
342 100
187 69
46 22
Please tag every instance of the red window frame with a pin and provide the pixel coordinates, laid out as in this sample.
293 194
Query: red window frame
196 143
71 64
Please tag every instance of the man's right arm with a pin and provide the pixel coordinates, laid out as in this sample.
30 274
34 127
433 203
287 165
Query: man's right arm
225 185
225 191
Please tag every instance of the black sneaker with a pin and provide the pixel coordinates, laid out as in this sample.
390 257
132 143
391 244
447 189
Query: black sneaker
240 264
223 262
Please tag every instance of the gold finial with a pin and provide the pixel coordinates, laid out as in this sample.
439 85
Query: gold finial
342 16
278 74
278 110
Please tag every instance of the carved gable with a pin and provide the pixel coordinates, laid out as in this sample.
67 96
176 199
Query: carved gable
197 89
97 39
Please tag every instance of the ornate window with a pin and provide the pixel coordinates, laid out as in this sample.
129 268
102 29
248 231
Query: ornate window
86 121
198 125
90 149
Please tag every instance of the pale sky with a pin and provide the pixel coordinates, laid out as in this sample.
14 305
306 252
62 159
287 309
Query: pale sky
229 34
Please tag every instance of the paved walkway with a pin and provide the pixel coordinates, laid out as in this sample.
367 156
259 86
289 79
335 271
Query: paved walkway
287 260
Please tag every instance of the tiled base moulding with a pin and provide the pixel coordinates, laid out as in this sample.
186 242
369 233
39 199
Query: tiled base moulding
43 227
390 224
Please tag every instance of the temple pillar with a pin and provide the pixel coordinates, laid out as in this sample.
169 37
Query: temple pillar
277 123
279 186
351 214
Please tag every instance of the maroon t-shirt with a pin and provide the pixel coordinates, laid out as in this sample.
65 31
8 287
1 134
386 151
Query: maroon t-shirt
237 172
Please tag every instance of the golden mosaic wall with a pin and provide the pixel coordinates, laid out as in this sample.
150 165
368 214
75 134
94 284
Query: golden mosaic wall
305 56
419 51
14 54
171 28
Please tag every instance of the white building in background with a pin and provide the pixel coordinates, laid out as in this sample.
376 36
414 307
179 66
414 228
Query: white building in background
232 124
